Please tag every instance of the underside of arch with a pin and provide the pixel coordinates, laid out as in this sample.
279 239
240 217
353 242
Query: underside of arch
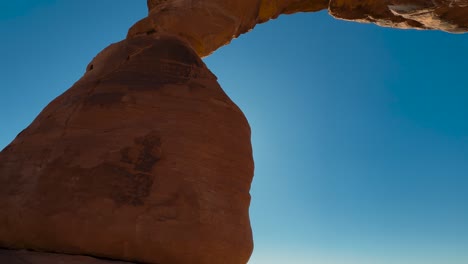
210 24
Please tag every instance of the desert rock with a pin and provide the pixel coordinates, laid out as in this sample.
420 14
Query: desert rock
31 257
446 15
144 159
210 24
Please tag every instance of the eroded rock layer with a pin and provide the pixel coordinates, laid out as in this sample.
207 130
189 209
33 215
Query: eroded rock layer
210 24
30 257
446 15
144 159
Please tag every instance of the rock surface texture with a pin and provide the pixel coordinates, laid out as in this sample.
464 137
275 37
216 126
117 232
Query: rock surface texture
145 158
29 257
209 24
446 15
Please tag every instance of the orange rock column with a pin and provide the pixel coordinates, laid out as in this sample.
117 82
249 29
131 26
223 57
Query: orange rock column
144 159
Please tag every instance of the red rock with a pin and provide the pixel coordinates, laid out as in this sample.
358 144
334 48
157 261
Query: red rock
450 16
30 257
144 159
210 24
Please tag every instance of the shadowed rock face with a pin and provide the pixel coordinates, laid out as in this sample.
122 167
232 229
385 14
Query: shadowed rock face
209 24
144 159
446 15
28 257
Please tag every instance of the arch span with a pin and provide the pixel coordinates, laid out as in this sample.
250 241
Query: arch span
210 24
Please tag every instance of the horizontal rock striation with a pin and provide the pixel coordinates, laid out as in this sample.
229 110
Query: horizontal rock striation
446 15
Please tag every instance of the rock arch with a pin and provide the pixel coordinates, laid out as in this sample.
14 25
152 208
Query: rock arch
209 24
145 158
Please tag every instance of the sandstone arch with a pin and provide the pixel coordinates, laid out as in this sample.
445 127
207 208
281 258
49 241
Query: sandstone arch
209 24
143 165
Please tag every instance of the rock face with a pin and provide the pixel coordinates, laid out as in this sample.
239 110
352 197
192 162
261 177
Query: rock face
446 15
144 159
29 257
209 24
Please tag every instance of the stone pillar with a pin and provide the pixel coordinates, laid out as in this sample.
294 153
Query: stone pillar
144 159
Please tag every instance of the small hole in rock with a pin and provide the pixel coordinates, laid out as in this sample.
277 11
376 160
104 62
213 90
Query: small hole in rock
91 67
150 32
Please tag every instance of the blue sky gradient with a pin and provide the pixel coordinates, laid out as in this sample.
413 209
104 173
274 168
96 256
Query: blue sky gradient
360 133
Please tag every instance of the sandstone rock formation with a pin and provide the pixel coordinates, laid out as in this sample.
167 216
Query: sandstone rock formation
446 15
145 158
209 24
29 257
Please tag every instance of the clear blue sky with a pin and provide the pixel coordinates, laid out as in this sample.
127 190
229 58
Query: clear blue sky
360 133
